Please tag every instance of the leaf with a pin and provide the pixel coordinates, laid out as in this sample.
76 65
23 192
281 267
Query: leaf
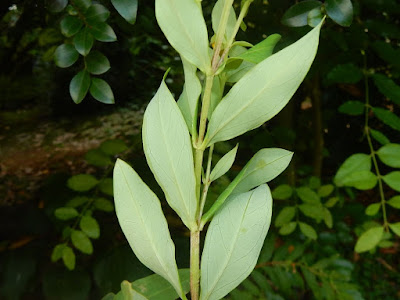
353 108
379 137
355 163
233 242
57 252
66 213
315 17
282 192
90 226
340 11
369 239
97 13
168 151
103 32
387 87
372 209
262 50
346 73
393 180
143 223
188 101
65 55
307 195
328 217
77 201
394 202
106 186
82 5
129 293
70 25
68 257
264 166
82 182
288 228
97 158
395 228
387 117
101 91
97 63
103 204
224 164
314 211
308 231
57 5
81 242
285 216
113 147
183 25
296 15
332 202
390 155
127 9
260 94
362 180
216 18
83 41
325 190
79 86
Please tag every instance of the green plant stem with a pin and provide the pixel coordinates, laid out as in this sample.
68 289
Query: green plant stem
206 184
194 264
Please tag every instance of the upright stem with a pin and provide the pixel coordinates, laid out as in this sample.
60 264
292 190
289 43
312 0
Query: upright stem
194 264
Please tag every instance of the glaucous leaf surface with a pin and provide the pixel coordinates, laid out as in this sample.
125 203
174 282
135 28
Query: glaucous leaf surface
216 19
369 239
340 11
127 9
79 86
264 166
262 50
188 101
128 293
183 25
233 242
296 15
101 91
143 223
355 163
362 180
89 225
390 155
224 164
260 94
168 150
394 202
395 227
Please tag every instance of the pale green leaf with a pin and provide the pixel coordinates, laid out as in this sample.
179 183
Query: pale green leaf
394 202
233 242
188 100
282 192
285 216
390 155
128 293
262 50
260 94
362 180
216 19
395 228
264 166
356 162
393 180
372 209
217 92
81 242
308 231
82 182
90 226
66 213
143 223
168 151
183 25
127 9
369 239
68 257
307 195
287 228
224 164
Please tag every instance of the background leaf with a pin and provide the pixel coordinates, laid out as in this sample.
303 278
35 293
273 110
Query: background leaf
379 137
81 242
103 32
101 91
308 231
127 9
262 50
66 213
97 63
83 41
390 155
97 13
70 25
296 15
387 87
340 11
224 164
82 182
369 239
65 55
282 192
79 86
216 18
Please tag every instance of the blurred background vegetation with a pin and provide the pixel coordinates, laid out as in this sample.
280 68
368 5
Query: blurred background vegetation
59 236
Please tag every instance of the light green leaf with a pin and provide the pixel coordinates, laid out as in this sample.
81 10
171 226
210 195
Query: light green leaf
57 252
68 257
353 108
233 242
387 117
362 180
285 216
282 192
372 209
65 55
379 137
66 213
188 101
79 86
83 41
217 92
328 217
90 226
128 293
106 186
307 195
70 25
97 13
260 94
393 180
390 155
127 9
369 239
262 50
82 182
103 32
224 164
340 11
184 27
101 91
81 242
287 228
395 228
308 231
168 151
216 18
296 15
355 163
264 166
143 223
387 87
103 204
325 190
97 63
394 202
